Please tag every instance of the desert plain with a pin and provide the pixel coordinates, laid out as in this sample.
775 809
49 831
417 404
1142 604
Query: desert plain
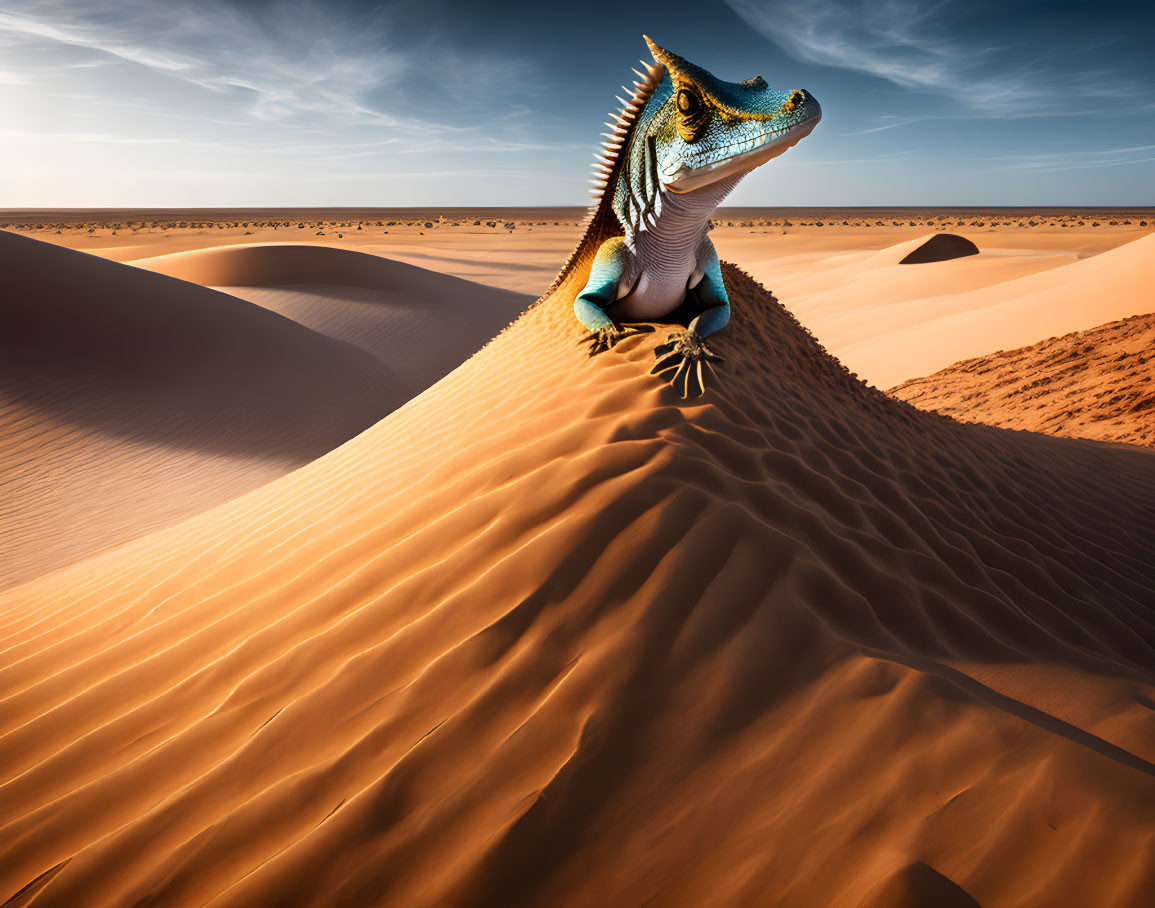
333 571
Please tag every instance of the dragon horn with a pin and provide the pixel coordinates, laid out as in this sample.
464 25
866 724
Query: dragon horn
672 62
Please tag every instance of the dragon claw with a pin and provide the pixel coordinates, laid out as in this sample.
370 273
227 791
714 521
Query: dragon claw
604 338
685 361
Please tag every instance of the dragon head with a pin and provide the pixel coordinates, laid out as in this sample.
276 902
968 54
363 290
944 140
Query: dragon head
708 129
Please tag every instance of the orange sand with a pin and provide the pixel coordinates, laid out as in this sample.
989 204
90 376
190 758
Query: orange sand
129 401
838 271
418 323
889 322
1091 384
547 635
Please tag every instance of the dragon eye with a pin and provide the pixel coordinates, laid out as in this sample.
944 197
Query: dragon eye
688 102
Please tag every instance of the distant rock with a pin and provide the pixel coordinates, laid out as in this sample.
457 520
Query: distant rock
940 248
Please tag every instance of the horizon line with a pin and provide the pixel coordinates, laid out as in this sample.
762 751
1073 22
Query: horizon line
26 211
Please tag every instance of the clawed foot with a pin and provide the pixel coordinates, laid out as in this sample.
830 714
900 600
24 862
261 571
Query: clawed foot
604 338
685 361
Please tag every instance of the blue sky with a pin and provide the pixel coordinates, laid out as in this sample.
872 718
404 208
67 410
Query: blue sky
223 102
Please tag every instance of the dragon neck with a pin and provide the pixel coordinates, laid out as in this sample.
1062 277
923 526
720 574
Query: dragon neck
680 219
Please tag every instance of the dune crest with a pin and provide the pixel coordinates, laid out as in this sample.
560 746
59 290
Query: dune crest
265 264
1088 384
389 309
549 635
129 401
882 324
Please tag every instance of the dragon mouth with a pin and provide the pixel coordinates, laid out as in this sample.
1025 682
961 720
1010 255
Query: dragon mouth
746 155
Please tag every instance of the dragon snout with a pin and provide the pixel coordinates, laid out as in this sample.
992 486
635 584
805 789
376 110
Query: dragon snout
803 99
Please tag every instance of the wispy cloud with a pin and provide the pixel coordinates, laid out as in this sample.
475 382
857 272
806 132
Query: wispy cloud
217 47
87 138
1081 160
890 124
1090 111
144 99
919 46
300 61
875 159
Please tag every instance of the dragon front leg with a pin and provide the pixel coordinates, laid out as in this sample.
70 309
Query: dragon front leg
685 360
602 289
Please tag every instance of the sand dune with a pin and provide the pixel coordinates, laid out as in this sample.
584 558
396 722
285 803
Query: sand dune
419 323
1090 384
888 322
939 247
130 401
823 263
290 263
520 249
922 250
548 635
802 262
847 297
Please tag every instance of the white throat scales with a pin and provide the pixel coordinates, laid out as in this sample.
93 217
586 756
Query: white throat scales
667 252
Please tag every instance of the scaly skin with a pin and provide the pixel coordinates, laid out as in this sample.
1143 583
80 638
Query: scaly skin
681 143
